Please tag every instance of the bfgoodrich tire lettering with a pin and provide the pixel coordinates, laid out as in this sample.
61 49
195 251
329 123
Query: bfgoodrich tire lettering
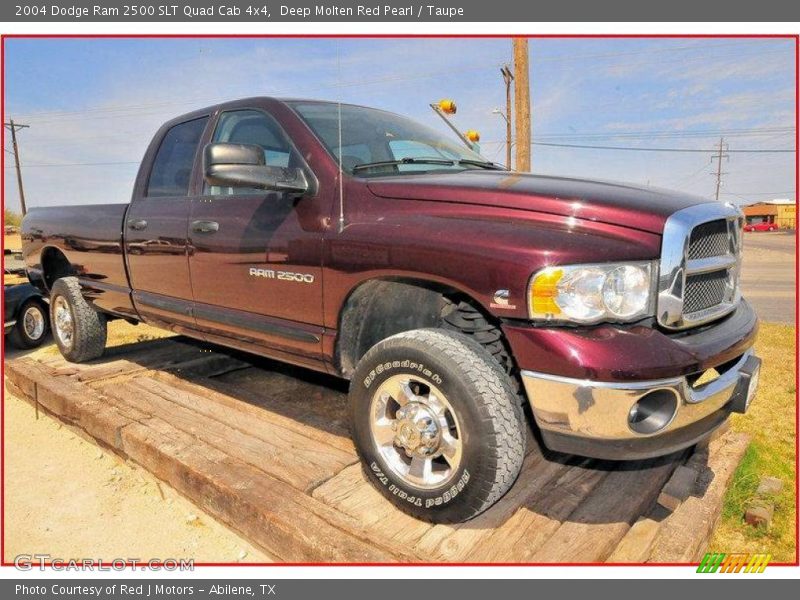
481 411
79 330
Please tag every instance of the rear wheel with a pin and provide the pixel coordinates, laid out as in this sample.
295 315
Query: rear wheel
436 424
31 327
79 330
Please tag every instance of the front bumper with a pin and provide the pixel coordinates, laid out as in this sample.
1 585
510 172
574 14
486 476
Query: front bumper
598 418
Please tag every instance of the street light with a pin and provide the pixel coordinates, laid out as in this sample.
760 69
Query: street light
497 111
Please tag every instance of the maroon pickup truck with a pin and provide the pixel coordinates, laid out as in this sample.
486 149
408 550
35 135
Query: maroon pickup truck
461 300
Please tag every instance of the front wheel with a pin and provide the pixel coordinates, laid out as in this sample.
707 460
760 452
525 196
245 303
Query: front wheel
436 424
79 330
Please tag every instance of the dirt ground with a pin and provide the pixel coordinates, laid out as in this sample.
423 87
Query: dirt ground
66 497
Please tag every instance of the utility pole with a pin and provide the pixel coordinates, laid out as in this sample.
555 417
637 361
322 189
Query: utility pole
508 77
13 128
522 104
719 156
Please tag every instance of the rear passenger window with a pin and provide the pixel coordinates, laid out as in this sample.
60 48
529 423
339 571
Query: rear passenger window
172 168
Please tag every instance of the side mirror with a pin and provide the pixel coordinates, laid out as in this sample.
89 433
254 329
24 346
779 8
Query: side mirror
243 165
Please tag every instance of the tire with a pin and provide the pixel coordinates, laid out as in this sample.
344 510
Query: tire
79 330
31 328
454 443
466 319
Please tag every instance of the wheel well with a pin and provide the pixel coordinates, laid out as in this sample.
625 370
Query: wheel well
380 308
55 266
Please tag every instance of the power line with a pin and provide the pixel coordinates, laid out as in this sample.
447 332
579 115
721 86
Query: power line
87 164
650 134
636 149
758 193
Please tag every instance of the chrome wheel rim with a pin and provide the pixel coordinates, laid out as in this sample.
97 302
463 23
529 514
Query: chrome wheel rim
416 431
33 322
62 322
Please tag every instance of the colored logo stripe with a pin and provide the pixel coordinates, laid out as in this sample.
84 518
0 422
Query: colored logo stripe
733 563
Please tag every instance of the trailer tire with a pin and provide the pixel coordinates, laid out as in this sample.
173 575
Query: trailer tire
31 327
79 330
436 424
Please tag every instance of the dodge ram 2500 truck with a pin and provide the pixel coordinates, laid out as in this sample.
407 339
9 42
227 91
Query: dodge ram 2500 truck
459 299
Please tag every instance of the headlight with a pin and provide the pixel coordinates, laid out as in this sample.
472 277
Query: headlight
592 293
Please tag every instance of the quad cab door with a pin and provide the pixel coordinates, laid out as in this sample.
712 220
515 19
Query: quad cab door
156 224
255 256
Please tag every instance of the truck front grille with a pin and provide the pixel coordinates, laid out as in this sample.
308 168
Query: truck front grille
709 239
700 261
704 290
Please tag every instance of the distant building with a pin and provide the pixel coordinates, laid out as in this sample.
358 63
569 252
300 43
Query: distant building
781 212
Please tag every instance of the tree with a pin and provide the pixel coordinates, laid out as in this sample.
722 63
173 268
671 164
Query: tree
11 218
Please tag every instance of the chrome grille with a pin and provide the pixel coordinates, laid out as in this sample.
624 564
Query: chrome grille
700 261
709 239
704 290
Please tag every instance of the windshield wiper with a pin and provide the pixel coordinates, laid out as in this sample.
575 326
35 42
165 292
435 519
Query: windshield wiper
486 164
410 160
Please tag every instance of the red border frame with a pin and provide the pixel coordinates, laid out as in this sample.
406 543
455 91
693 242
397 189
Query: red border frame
796 39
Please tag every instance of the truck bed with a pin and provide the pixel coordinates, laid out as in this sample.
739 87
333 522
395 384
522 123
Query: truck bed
90 236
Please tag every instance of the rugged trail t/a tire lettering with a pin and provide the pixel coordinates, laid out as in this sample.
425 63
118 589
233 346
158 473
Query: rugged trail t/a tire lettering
79 330
436 424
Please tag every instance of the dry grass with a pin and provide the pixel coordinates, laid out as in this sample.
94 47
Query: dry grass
771 424
121 332
14 279
12 241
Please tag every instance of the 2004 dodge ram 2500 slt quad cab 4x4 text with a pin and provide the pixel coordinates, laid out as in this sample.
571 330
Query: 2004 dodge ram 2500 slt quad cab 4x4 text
450 292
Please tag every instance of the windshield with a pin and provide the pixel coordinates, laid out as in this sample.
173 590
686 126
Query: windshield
378 143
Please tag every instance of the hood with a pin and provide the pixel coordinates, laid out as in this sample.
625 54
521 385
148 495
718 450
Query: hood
621 204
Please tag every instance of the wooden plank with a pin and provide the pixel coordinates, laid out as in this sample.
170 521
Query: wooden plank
287 523
22 373
453 543
71 401
313 398
209 364
127 360
685 535
678 488
268 453
284 454
232 398
637 544
160 357
594 529
350 493
528 530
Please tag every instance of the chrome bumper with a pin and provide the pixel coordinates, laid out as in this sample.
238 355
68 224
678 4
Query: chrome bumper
593 418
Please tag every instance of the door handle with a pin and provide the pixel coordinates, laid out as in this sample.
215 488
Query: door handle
205 226
137 224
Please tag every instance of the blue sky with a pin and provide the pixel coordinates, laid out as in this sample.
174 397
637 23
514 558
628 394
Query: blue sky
99 101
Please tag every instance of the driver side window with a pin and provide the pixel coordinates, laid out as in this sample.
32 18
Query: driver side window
256 128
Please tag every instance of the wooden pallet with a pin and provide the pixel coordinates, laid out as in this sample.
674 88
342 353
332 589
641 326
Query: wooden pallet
265 448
